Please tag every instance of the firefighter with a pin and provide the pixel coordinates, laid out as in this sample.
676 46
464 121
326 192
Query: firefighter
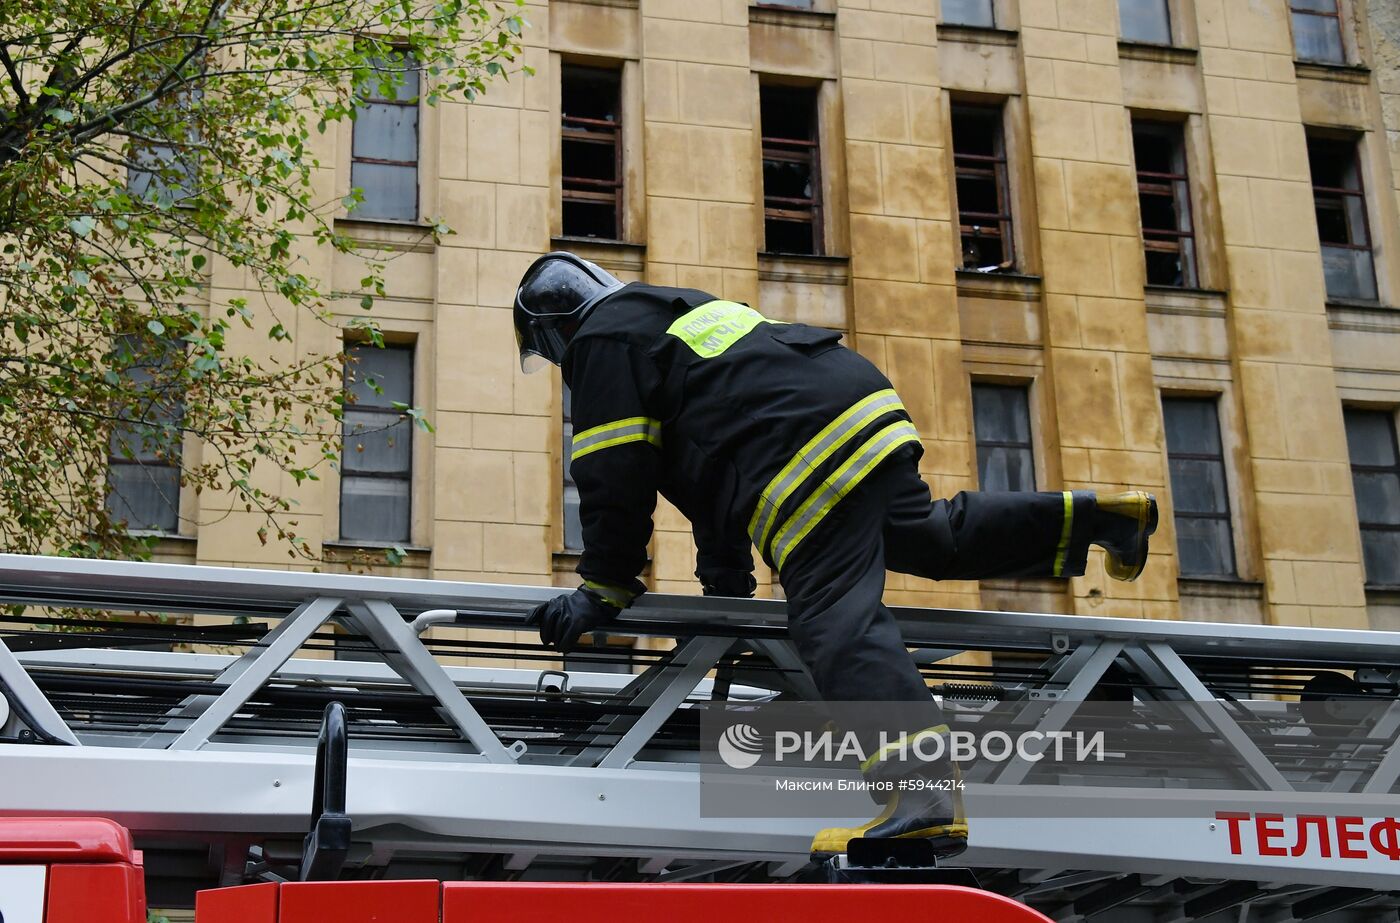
775 436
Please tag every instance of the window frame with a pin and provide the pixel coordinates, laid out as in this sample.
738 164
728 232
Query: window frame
1363 525
991 8
407 475
963 165
1171 27
357 213
1337 16
1227 515
175 460
1024 388
592 131
795 150
1173 133
161 156
1353 145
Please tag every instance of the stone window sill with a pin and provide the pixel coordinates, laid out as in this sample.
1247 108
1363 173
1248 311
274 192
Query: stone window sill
1220 587
1326 70
1008 285
977 35
1171 299
386 234
1363 303
342 550
780 14
1151 51
791 267
619 255
161 535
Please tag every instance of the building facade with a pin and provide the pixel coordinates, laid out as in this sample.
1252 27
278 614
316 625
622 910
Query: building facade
1094 243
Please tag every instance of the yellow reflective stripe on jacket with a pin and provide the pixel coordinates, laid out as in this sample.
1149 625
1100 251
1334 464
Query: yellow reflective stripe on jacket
841 482
613 595
715 326
632 429
1065 530
817 450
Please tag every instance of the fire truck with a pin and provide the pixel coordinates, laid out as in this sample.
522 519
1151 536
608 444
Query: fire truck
299 746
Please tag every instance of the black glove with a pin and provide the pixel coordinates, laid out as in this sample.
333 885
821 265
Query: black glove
728 583
564 618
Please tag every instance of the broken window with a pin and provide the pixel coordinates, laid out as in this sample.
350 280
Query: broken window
1145 21
144 453
1317 31
384 142
591 152
1164 200
792 179
1375 475
1002 423
984 195
1339 199
1204 540
969 13
376 460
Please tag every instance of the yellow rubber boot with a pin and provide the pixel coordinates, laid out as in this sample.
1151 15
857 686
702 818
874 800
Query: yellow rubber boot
1122 525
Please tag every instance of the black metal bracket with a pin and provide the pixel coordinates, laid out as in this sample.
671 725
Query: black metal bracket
328 842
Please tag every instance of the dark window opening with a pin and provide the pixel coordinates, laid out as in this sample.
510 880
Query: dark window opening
969 13
376 459
1164 200
1317 31
984 195
792 201
1200 496
1375 475
1343 229
1001 421
144 450
384 141
1145 21
591 152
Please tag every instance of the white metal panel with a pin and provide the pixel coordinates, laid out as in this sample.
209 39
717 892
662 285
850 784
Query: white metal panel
22 893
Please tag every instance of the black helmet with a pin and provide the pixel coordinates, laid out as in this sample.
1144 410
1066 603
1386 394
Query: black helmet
555 295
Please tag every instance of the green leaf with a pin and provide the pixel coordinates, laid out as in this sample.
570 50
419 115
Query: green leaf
82 226
366 301
198 261
156 327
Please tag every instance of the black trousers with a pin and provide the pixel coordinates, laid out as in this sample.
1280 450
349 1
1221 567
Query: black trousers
835 579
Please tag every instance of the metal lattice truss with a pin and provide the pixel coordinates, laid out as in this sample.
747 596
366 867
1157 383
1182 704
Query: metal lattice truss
202 731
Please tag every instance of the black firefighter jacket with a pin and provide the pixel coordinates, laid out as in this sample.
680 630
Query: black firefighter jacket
754 429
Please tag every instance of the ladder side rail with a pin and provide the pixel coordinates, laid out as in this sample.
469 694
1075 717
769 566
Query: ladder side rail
1083 673
1386 726
29 703
701 656
1265 773
162 733
293 633
174 587
404 652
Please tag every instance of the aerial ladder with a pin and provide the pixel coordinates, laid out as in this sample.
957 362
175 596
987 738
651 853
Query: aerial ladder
211 737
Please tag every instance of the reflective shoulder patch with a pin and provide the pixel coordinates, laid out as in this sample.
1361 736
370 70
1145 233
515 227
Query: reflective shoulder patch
715 326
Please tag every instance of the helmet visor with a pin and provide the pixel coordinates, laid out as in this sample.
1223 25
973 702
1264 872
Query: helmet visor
542 342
